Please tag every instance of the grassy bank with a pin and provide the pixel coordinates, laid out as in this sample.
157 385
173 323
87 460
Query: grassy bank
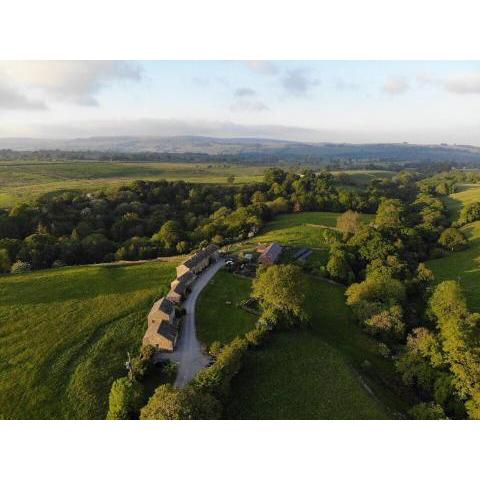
65 333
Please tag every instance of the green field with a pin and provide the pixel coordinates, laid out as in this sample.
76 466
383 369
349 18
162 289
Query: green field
218 316
311 373
466 194
25 181
306 229
65 333
463 266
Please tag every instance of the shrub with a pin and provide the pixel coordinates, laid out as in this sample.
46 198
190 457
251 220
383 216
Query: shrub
21 267
257 336
170 403
452 239
427 411
4 261
125 399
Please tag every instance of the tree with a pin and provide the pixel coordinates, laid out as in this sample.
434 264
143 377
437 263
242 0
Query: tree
349 222
458 333
338 267
390 214
96 246
388 324
170 234
125 399
170 403
282 288
4 261
231 179
373 295
469 213
427 411
452 239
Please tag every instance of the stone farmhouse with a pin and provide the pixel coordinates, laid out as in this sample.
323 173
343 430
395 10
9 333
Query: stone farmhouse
163 326
271 254
162 330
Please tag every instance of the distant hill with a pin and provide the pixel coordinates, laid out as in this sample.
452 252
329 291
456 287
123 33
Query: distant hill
252 147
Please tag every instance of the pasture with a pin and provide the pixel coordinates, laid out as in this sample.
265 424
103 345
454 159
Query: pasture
463 266
465 194
25 181
316 372
65 334
218 315
314 230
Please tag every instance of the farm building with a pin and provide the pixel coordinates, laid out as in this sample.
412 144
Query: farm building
162 330
199 261
271 254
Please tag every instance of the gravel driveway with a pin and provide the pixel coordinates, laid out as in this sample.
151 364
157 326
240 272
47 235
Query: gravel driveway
188 352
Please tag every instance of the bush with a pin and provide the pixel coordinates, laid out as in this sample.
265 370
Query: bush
170 403
125 399
4 261
21 267
427 411
257 336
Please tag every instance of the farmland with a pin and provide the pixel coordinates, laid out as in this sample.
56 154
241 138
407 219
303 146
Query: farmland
218 314
23 181
65 334
307 229
318 364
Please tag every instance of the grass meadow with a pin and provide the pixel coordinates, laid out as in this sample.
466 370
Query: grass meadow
463 266
65 334
25 181
307 229
306 373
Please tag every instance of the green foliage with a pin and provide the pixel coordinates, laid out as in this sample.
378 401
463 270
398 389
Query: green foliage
125 399
390 214
4 261
469 213
170 403
388 325
349 222
452 239
427 411
374 295
281 288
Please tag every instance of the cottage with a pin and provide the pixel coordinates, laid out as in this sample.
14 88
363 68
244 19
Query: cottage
180 287
162 330
199 261
271 254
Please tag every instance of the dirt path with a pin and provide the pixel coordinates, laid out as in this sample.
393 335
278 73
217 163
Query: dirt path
188 352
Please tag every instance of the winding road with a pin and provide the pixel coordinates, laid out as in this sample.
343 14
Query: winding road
189 354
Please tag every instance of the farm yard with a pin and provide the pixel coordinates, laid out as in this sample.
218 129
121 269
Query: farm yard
65 334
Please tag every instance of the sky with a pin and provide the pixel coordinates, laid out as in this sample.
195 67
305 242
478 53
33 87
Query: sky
315 101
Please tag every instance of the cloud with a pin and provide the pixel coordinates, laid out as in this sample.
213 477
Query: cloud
463 85
76 82
341 84
248 106
264 67
244 92
396 85
10 99
297 82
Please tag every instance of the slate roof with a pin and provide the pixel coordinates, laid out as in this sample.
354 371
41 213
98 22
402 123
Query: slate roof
165 305
199 256
271 253
186 278
167 330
